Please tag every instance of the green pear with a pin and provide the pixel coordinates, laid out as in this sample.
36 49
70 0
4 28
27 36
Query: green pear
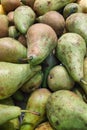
11 50
77 23
44 126
59 78
70 9
36 104
13 76
53 19
66 111
40 43
24 17
13 32
3 25
8 112
11 124
43 6
33 83
71 49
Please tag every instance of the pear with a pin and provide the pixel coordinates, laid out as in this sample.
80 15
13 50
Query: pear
44 126
83 4
3 26
53 19
66 111
10 5
70 9
84 86
13 76
43 6
24 17
80 92
33 83
71 49
13 32
11 124
59 78
9 112
11 50
77 23
36 104
10 16
28 2
40 43
22 40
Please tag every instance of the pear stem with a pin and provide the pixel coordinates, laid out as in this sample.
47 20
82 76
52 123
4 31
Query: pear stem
83 81
26 59
27 111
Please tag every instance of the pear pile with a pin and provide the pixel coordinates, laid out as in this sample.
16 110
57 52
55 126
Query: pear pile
43 64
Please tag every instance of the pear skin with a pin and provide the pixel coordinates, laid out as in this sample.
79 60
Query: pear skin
13 76
71 50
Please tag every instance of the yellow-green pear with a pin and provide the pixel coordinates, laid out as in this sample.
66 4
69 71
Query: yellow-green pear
37 105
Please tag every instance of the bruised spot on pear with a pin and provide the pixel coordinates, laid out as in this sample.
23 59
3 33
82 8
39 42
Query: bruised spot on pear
70 9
